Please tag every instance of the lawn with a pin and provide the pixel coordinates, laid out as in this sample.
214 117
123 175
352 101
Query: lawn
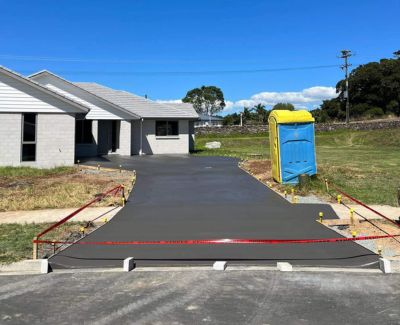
16 239
366 164
24 188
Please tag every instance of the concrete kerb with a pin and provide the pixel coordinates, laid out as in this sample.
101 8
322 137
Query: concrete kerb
21 268
129 264
220 265
385 265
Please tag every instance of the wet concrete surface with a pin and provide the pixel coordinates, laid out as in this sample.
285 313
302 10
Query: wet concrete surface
187 197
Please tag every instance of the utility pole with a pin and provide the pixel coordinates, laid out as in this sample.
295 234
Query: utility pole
345 55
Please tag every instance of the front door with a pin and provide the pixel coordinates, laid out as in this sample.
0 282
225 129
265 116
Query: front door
114 136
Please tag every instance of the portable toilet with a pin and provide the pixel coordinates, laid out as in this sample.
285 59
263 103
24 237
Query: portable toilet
292 145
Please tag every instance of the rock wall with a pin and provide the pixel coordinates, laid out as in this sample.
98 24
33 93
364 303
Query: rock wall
252 129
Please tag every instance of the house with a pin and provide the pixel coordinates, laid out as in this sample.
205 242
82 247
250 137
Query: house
208 121
48 121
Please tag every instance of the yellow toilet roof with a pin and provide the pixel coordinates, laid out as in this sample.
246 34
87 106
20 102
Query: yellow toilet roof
284 116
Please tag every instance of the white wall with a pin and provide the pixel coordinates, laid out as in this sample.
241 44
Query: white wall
160 145
17 96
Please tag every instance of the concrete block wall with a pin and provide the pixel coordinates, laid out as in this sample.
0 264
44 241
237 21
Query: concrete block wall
10 139
55 143
125 137
55 140
165 145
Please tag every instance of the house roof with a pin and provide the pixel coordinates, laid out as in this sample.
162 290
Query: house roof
185 106
45 72
205 117
44 89
140 106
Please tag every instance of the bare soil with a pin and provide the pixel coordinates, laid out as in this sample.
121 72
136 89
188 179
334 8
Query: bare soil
65 190
376 227
261 169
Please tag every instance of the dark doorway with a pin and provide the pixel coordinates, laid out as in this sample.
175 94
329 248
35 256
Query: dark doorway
114 135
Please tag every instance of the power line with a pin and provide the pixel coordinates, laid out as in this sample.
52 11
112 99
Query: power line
184 73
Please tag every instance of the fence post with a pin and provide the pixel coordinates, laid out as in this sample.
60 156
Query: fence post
35 249
123 195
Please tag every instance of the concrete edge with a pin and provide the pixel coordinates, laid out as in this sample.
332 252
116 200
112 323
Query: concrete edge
281 195
107 169
209 268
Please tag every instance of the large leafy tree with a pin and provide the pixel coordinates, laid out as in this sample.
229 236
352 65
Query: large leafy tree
374 90
206 99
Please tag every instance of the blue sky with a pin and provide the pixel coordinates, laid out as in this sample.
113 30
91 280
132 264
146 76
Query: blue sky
126 44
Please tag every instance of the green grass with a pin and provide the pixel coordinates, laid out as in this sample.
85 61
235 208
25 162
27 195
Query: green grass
366 164
16 239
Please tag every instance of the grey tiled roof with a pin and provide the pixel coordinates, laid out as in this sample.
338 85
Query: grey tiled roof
205 117
139 105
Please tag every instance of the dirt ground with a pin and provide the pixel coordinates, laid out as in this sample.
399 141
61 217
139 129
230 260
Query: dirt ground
375 227
261 169
66 190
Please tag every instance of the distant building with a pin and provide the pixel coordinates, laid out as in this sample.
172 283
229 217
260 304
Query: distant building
208 121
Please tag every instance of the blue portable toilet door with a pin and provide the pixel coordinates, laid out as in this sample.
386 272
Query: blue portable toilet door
297 151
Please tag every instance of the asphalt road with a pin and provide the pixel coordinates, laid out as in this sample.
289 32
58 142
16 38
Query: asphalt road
186 197
206 297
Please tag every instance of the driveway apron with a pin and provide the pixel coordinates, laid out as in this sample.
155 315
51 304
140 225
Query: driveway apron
188 197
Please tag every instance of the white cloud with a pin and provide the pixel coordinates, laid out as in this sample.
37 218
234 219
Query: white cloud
308 98
170 101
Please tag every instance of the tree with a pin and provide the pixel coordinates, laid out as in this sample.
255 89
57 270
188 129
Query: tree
206 99
283 106
373 88
320 115
262 113
231 119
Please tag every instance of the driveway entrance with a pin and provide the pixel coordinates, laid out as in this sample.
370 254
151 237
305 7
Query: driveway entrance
186 197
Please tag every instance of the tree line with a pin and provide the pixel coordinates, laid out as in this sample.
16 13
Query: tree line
374 91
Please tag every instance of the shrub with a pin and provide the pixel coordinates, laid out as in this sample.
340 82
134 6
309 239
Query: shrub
374 112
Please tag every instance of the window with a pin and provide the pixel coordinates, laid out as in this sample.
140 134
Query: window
28 137
167 128
83 131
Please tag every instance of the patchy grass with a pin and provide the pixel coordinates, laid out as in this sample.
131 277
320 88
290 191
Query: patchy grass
31 189
363 163
241 146
34 172
16 239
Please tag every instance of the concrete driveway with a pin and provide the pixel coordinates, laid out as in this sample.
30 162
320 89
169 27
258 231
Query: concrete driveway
186 197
